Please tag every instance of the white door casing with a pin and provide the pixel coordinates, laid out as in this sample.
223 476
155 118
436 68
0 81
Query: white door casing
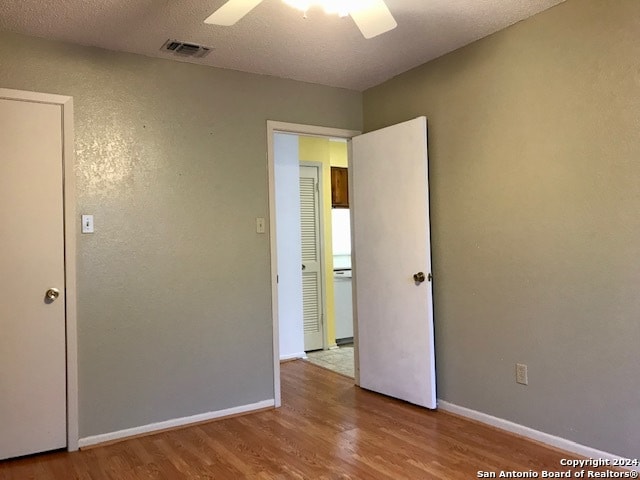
312 278
391 242
38 373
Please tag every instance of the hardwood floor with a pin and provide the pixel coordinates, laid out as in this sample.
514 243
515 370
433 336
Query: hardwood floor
326 429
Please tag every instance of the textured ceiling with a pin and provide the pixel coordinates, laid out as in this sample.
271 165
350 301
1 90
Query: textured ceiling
274 39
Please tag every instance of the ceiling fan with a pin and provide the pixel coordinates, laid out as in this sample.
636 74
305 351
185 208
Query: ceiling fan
371 16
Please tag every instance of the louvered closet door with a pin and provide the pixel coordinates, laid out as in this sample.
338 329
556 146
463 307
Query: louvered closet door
311 265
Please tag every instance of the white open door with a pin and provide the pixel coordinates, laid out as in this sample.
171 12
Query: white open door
391 239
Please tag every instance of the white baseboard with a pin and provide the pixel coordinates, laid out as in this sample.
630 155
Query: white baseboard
168 424
547 439
293 356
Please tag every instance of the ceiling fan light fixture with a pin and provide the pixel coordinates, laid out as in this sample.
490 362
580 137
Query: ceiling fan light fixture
332 7
372 17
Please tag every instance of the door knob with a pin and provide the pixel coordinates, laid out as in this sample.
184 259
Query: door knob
52 294
420 277
304 267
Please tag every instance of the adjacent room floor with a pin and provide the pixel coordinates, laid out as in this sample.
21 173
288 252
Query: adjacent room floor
339 360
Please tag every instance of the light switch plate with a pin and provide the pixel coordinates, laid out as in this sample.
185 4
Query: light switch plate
87 223
260 226
522 375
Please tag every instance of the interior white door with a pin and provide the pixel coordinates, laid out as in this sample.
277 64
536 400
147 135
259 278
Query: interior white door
32 327
311 258
391 237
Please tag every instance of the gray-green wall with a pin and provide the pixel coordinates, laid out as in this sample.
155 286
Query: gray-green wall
534 137
174 298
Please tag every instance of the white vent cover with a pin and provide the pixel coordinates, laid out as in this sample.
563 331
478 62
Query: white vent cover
185 49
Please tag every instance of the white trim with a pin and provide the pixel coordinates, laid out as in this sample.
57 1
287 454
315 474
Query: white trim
70 223
70 226
293 356
297 129
354 268
35 97
176 422
271 174
530 433
310 130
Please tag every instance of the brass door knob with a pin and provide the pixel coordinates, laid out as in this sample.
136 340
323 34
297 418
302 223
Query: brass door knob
52 294
420 277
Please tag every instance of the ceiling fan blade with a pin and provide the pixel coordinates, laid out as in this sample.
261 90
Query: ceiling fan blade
231 12
374 19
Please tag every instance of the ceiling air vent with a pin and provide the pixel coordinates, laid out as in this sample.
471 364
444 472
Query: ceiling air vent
184 49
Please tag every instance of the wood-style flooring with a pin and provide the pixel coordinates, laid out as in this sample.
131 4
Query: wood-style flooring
326 429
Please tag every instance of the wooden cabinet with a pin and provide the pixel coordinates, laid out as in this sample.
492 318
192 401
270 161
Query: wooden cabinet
339 187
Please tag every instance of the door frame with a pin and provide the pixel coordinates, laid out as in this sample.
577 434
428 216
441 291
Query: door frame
295 129
69 202
323 274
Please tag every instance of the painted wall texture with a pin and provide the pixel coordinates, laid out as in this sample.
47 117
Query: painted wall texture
289 246
174 311
534 148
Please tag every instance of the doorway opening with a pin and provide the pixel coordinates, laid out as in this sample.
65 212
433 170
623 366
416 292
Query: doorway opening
393 296
303 296
340 356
